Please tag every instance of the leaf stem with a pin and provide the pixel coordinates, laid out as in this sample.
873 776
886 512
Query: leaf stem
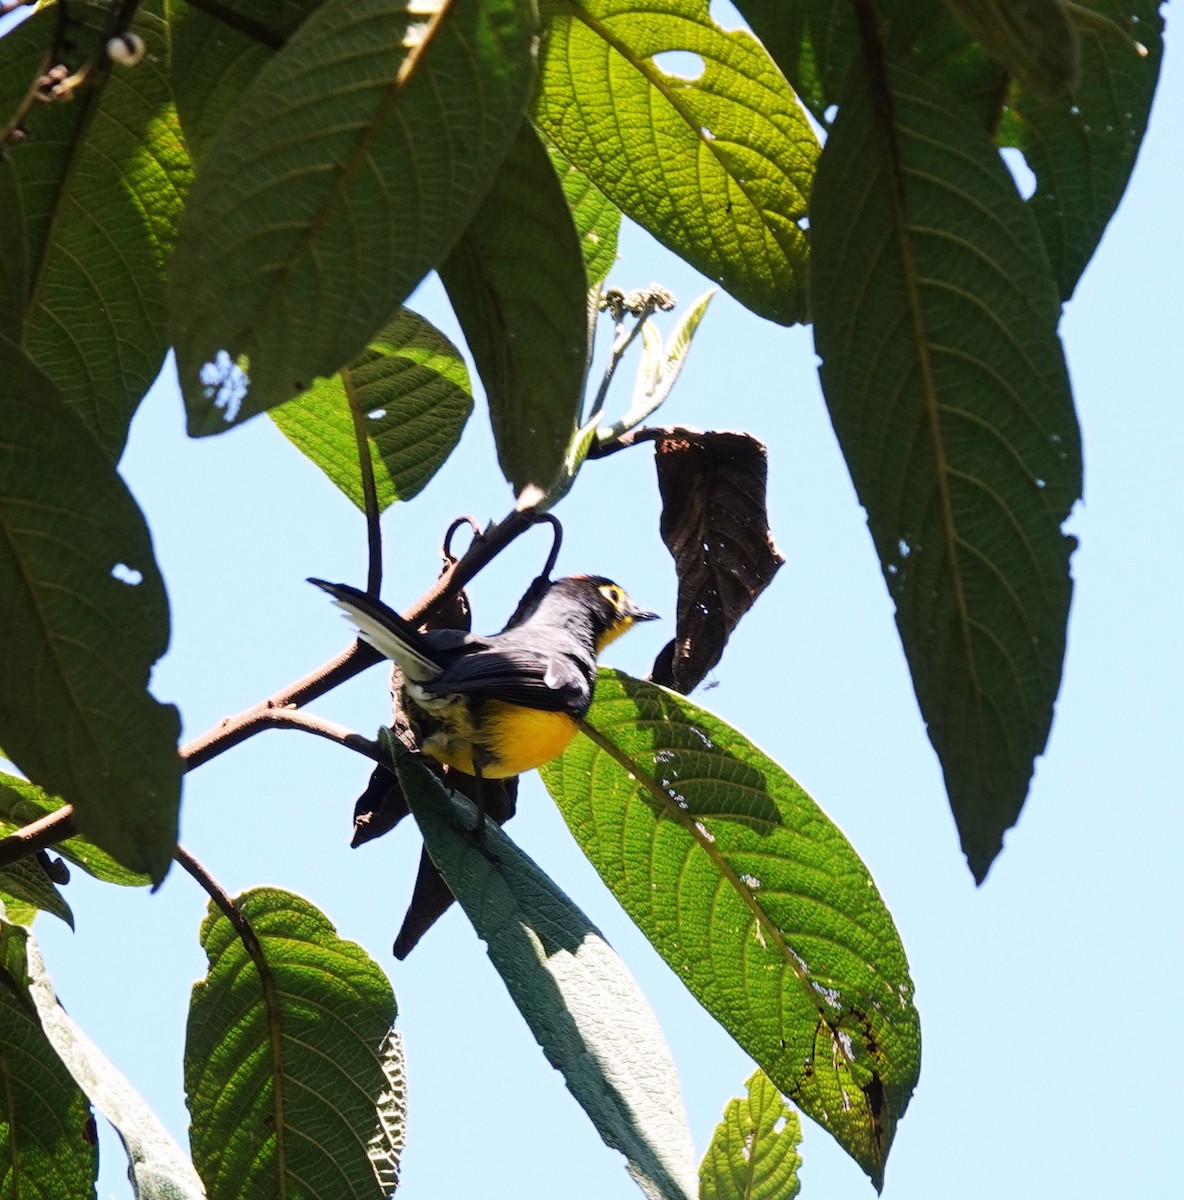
254 948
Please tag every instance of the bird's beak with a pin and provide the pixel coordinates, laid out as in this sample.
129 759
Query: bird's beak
640 614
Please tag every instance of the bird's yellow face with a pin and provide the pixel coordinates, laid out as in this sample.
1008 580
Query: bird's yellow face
624 614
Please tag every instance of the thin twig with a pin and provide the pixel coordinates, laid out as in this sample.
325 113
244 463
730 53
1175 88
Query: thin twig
369 496
46 831
290 718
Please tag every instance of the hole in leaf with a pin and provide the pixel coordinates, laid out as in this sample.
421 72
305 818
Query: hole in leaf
126 574
682 64
830 112
1025 180
376 414
779 1124
225 383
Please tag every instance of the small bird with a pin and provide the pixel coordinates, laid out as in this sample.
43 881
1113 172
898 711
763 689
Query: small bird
496 706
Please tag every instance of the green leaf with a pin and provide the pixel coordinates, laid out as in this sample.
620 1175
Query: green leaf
44 1117
754 898
28 883
935 319
597 218
159 1169
346 171
716 168
754 1151
576 995
385 1148
517 284
213 63
286 1058
22 802
1082 148
99 187
409 388
83 617
814 43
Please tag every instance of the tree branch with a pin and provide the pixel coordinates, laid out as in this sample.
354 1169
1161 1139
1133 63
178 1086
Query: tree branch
46 831
255 30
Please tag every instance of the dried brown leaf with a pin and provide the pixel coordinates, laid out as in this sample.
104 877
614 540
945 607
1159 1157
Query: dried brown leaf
715 523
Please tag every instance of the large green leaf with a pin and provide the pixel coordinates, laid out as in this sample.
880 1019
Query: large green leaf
22 802
597 218
347 170
717 168
44 1117
96 193
754 1151
214 63
27 884
410 392
1082 147
83 617
517 284
935 319
754 898
576 995
287 1056
157 1167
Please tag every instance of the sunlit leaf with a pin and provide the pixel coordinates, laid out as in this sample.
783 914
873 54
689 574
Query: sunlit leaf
597 218
287 1057
754 898
716 167
754 1151
409 389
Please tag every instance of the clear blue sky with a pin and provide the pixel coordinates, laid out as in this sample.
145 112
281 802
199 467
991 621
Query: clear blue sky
1048 997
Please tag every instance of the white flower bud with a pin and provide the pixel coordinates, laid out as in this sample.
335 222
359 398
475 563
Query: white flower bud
126 49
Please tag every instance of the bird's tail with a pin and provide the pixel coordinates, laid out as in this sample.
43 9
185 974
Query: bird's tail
389 633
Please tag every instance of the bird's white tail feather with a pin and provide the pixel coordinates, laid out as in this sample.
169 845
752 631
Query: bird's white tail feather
389 642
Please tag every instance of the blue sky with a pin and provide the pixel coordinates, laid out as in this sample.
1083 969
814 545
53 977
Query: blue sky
1047 997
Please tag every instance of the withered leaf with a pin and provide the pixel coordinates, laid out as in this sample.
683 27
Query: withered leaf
715 523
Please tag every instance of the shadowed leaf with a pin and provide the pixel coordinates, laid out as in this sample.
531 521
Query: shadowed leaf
754 1151
22 802
1082 147
517 283
43 1113
573 991
83 617
330 191
754 898
957 424
214 64
716 526
409 390
717 168
99 187
288 1072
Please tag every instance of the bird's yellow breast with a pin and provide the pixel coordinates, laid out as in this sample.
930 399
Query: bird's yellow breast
516 740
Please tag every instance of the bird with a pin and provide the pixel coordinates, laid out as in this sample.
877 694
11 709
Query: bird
496 706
